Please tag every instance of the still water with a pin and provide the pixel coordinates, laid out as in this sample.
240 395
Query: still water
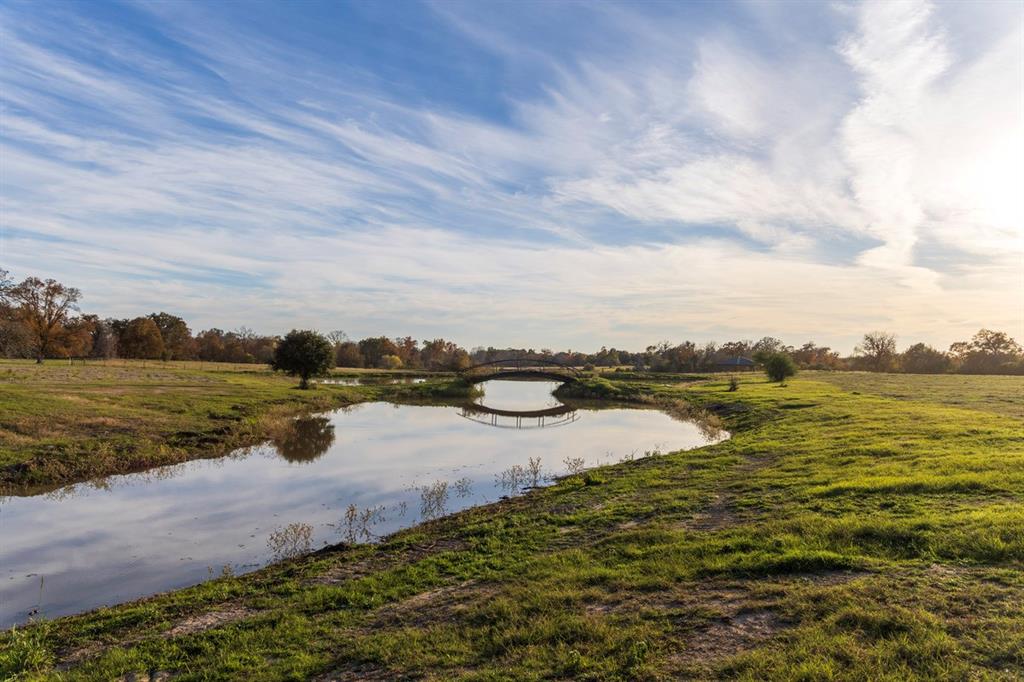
353 475
371 380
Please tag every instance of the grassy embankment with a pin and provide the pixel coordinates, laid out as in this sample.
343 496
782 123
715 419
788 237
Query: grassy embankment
837 535
61 423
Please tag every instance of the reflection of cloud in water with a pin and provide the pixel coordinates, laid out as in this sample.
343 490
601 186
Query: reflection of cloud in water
518 395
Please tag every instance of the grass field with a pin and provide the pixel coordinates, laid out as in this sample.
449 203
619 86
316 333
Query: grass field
63 422
999 394
847 531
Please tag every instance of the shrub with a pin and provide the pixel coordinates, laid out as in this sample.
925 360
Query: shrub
779 367
734 384
391 362
303 354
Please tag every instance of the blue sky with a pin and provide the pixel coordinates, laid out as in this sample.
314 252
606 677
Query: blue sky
540 174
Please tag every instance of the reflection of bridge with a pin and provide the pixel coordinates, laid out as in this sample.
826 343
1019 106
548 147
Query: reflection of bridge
520 368
520 419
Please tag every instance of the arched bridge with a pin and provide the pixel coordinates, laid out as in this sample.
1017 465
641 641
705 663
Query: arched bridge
520 368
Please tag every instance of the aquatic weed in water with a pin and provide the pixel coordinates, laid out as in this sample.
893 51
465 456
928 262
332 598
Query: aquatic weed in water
290 541
511 479
533 472
463 487
574 465
433 499
358 522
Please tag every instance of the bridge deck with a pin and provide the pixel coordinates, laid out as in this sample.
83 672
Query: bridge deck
520 369
475 378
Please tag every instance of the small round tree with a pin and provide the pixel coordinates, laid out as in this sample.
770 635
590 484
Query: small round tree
779 367
303 353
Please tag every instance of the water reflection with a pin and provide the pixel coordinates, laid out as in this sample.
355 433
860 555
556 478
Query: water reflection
289 541
434 500
305 439
372 381
517 478
365 473
358 524
527 404
463 487
517 395
520 419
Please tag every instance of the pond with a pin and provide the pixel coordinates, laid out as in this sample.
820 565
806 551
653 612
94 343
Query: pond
353 475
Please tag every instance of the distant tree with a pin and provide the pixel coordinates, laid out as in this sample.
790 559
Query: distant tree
15 339
682 358
337 337
459 360
347 355
210 344
76 337
923 359
176 336
439 354
766 347
44 307
734 349
779 366
811 356
374 349
305 354
706 355
261 348
877 351
607 357
6 284
141 339
104 339
408 351
391 362
989 352
235 345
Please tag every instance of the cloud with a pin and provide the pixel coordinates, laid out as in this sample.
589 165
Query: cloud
715 186
933 153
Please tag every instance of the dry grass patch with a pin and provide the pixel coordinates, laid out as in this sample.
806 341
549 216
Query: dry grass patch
220 615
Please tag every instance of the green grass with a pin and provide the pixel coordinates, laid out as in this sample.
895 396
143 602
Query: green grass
61 423
999 394
838 535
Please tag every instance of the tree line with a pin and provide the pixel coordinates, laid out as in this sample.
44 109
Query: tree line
41 319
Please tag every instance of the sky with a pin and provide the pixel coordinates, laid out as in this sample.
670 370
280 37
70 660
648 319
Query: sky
529 174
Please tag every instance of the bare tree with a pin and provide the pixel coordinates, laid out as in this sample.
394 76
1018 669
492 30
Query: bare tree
6 284
45 307
878 350
14 337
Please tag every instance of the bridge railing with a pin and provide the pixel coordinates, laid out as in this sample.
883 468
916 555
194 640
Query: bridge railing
524 365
